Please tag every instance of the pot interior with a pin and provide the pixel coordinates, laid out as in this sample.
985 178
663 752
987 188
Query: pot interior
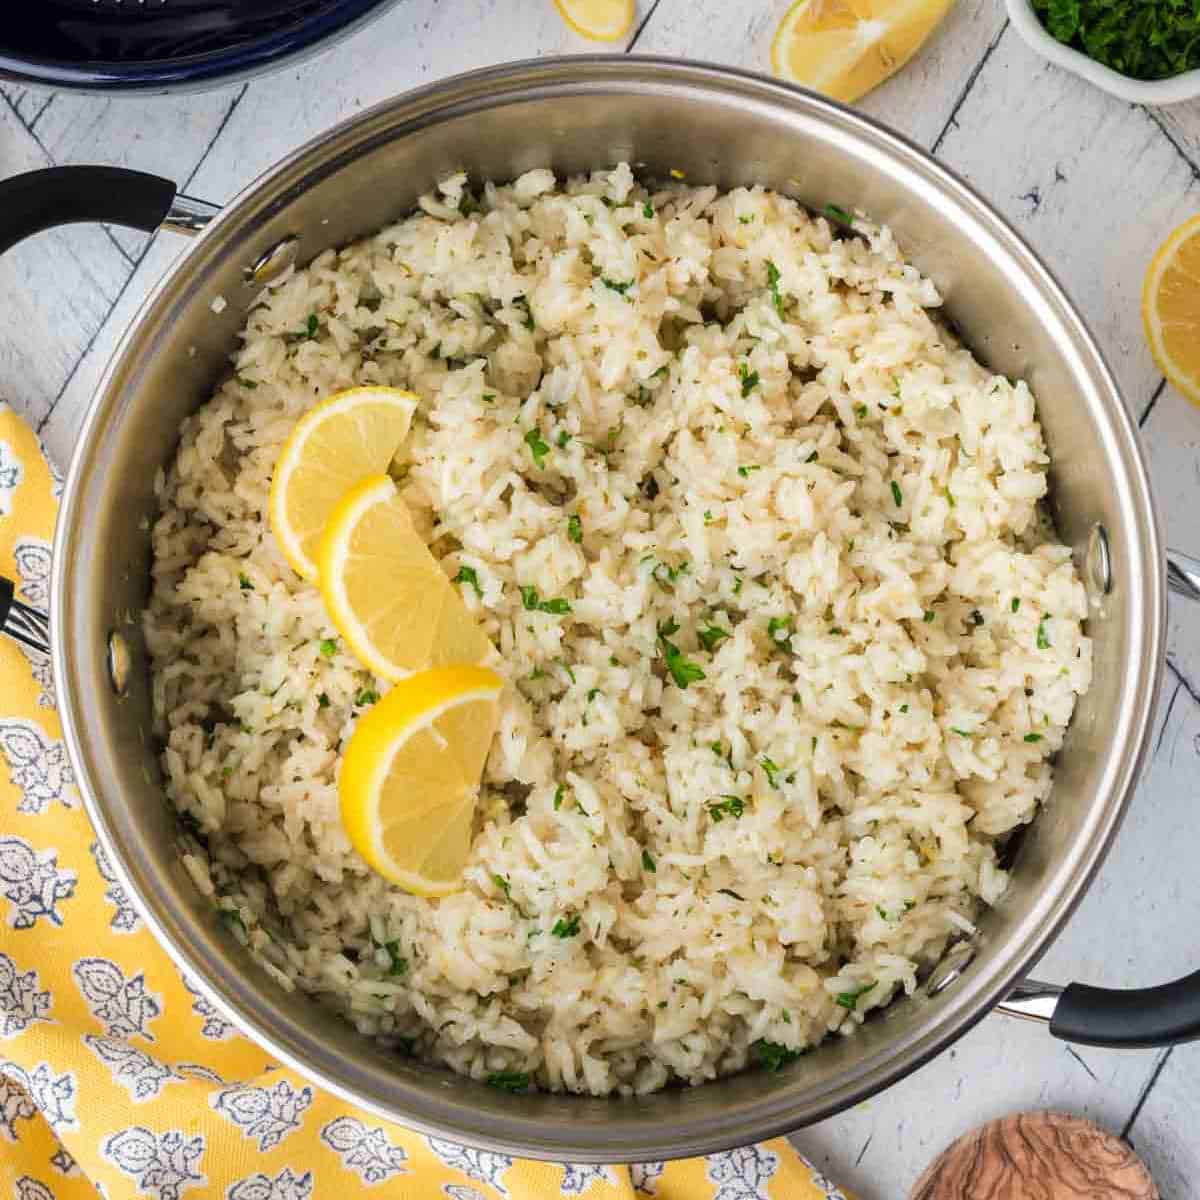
717 127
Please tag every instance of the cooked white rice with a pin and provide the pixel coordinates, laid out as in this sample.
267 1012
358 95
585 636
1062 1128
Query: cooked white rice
762 431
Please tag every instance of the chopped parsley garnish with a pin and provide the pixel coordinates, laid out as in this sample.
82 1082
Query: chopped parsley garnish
559 792
904 708
746 220
836 631
773 283
649 863
726 756
727 806
744 472
537 447
661 373
244 582
773 1056
468 575
648 211
521 302
1043 638
570 674
960 732
563 439
328 647
232 921
323 700
682 670
397 963
436 352
575 528
1151 39
365 696
488 397
850 999
737 585
779 630
976 617
566 927
712 636
614 286
840 215
311 326
929 616
1033 737
812 457
508 1081
533 603
771 771
1016 603
730 892
592 694
897 494
748 377
860 411
708 517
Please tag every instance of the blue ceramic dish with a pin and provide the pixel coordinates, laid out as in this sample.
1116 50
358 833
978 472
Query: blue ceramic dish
167 45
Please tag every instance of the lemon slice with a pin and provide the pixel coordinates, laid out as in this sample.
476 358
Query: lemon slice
844 48
350 435
410 776
600 20
386 593
1171 308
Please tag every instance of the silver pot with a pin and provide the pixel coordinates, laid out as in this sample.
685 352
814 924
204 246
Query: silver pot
715 125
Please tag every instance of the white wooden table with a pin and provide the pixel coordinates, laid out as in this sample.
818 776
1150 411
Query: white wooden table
1094 183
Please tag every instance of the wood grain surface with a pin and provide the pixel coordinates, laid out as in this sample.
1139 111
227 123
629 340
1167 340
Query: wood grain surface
1037 1156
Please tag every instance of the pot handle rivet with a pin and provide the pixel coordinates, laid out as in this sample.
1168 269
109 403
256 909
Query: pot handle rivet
1097 563
273 262
119 661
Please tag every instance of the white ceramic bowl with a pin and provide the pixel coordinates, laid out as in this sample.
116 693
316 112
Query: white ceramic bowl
1137 91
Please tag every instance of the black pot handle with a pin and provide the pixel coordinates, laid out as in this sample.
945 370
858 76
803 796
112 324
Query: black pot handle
42 199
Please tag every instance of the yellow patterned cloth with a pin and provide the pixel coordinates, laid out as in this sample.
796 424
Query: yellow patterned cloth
118 1079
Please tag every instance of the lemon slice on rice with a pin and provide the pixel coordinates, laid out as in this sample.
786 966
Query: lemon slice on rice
410 776
844 48
351 435
385 591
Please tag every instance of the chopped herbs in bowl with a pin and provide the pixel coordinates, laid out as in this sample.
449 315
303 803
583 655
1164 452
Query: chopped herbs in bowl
1145 51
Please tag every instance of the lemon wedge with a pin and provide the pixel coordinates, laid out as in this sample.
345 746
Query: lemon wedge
352 434
844 48
600 20
1171 308
410 776
384 590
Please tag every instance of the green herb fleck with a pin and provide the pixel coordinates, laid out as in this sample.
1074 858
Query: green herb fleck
537 447
397 963
649 863
566 927
533 603
488 397
730 892
744 472
904 708
960 732
726 756
850 999
648 211
559 792
244 582
779 630
232 921
592 694
812 457
840 215
521 302
1043 638
897 494
745 220
727 806
575 528
563 439
682 670
771 771
248 384
614 286
469 576
773 283
1016 603
508 1081
929 616
748 377
311 326
323 700
976 617
773 1056
365 696
712 636
1033 737
328 647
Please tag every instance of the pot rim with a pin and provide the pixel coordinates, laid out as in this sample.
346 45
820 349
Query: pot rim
627 1135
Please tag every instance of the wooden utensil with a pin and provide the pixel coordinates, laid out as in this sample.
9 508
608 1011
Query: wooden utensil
1037 1156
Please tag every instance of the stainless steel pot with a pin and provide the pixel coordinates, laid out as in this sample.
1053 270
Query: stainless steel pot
715 125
